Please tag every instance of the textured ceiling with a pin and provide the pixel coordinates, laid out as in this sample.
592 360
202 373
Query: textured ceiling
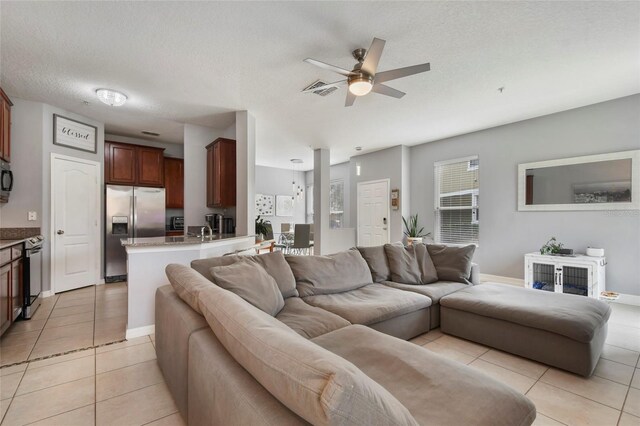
197 62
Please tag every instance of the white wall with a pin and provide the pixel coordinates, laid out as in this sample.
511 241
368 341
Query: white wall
26 161
174 150
274 181
507 234
196 138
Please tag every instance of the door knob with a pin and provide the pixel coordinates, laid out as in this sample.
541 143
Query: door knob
60 232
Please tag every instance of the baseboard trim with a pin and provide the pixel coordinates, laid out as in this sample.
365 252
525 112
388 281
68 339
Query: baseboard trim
46 293
502 280
625 299
140 331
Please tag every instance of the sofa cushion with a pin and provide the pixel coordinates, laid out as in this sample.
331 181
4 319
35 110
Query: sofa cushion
428 272
250 281
319 386
437 391
452 263
576 317
273 263
376 258
334 273
403 264
433 291
187 283
370 304
309 321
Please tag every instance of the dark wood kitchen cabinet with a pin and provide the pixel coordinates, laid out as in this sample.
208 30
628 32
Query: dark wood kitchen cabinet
11 273
5 125
221 173
174 182
126 164
5 297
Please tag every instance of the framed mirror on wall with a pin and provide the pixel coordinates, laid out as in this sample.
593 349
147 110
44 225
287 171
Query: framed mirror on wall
591 182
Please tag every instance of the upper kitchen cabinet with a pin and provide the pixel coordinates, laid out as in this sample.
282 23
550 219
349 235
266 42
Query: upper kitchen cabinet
5 124
126 164
174 182
221 173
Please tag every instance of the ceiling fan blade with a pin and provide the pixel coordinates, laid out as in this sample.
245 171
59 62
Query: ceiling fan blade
388 91
381 77
329 67
326 86
370 64
351 98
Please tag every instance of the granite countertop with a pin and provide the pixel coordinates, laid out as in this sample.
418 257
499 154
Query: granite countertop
8 243
171 241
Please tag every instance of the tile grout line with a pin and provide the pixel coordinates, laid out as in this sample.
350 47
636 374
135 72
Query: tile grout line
589 399
164 417
623 405
59 414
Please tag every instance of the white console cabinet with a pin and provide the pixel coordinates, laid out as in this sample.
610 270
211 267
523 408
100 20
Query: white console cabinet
577 274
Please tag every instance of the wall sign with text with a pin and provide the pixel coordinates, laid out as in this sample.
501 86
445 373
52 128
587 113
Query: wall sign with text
74 134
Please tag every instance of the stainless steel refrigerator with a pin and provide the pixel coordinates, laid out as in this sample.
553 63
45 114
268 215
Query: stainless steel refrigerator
132 212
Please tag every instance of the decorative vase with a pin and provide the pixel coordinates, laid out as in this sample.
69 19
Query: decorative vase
413 240
259 238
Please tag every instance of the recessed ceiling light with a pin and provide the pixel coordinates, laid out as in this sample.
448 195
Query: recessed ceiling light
146 132
111 97
358 148
296 161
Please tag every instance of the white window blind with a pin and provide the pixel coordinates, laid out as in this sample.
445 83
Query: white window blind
457 210
336 204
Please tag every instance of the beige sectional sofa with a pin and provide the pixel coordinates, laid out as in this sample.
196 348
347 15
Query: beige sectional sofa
335 353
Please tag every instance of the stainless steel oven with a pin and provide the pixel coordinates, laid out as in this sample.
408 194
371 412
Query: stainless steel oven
6 181
32 278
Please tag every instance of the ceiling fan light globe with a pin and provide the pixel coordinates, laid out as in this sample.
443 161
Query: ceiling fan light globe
360 88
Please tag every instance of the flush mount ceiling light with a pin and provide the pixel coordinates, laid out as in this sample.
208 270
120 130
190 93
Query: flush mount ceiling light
111 97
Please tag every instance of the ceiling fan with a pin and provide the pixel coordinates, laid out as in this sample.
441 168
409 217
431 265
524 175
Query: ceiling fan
364 77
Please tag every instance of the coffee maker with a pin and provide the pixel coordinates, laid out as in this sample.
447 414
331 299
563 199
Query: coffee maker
213 220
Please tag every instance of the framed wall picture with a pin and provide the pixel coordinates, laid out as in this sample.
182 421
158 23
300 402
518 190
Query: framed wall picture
74 134
264 205
284 205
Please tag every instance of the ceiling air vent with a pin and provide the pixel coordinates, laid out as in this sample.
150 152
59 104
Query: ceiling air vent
145 132
319 83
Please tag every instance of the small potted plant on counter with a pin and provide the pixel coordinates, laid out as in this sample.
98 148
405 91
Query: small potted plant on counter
261 229
551 247
411 230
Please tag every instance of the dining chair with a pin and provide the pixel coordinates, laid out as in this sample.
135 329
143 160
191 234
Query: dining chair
302 239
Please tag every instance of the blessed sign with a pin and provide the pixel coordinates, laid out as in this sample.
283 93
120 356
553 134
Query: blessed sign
74 134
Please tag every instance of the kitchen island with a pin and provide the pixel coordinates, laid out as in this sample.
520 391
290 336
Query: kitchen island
147 259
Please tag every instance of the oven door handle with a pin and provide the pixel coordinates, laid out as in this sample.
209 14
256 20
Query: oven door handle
9 173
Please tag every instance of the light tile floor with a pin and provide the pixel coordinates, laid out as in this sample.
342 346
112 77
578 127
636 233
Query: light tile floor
122 384
69 321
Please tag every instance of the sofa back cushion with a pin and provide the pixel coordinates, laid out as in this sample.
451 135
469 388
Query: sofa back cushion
250 281
403 264
187 283
376 258
316 384
428 271
334 273
452 263
273 263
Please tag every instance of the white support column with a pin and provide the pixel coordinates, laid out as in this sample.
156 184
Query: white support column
245 173
321 182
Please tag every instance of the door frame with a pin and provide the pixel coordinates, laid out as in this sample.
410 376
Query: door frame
368 182
98 246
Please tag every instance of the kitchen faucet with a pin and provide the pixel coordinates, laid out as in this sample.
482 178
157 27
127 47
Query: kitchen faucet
206 226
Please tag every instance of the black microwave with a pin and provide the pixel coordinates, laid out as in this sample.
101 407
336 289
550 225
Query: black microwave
6 181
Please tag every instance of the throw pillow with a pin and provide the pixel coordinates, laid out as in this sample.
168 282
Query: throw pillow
378 264
452 263
250 281
403 264
428 271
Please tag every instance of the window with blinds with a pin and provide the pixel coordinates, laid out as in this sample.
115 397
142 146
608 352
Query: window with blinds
456 201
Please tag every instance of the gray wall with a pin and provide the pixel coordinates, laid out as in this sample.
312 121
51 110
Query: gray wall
274 181
339 171
506 234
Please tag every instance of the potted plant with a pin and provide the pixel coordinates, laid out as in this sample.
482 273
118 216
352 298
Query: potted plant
411 230
551 247
261 229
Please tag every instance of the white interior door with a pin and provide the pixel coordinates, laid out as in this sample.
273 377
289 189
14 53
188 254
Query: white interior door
373 213
75 203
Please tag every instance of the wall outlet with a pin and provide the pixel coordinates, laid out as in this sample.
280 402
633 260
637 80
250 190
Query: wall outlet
32 216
